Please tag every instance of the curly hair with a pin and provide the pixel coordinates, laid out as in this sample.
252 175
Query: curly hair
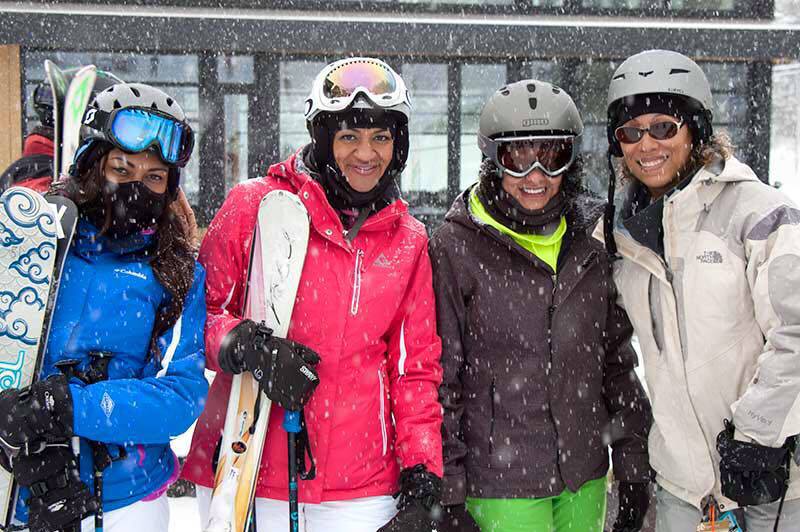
173 255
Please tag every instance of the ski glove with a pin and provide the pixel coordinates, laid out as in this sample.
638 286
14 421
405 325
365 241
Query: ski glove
58 499
752 474
418 502
33 416
285 370
456 518
634 499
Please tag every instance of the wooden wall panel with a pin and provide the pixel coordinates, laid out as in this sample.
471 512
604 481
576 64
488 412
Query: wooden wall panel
10 105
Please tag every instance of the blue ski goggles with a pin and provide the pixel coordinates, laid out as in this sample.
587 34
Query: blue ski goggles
134 129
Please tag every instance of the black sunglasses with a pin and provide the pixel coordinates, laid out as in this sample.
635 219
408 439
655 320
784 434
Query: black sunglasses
659 131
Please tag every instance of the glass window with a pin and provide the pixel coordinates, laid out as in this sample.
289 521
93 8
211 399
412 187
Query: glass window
427 162
236 107
296 80
785 139
478 82
235 69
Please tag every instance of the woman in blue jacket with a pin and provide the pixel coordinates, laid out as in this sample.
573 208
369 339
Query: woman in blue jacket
123 369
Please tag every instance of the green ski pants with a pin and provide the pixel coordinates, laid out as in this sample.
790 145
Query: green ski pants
581 511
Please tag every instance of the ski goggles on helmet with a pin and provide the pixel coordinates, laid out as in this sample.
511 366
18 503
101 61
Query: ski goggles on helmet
660 131
339 84
134 129
519 156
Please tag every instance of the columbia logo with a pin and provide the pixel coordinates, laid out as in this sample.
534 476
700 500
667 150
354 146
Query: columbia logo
710 257
140 275
382 261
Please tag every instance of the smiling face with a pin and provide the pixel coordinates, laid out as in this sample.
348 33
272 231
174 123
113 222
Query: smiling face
146 167
363 155
657 164
533 191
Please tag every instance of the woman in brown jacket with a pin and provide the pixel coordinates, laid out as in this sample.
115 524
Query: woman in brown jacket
538 366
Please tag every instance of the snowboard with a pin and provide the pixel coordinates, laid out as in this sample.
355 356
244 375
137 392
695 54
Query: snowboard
278 252
75 101
35 234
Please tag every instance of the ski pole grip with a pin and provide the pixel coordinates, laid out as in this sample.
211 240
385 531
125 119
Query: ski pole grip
291 421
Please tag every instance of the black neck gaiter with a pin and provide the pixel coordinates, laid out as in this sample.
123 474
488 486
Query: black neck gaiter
505 209
133 207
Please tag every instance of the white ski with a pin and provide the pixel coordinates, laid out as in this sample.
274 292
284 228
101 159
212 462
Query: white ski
276 263
75 102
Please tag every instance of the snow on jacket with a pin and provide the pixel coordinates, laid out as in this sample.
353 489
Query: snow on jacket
718 323
367 308
538 368
107 301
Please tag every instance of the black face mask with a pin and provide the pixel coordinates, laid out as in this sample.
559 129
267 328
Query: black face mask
134 208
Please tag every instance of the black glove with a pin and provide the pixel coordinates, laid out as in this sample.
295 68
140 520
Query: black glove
456 518
284 369
752 474
32 416
634 499
418 503
58 498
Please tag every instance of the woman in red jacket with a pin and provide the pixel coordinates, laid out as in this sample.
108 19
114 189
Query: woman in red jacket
365 306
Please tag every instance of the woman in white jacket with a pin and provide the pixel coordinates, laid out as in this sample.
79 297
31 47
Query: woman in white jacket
710 278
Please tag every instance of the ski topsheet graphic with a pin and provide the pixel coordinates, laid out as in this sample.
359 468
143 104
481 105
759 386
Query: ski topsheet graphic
58 87
276 263
34 238
75 101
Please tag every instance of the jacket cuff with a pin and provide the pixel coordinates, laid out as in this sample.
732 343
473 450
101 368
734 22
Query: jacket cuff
454 489
632 467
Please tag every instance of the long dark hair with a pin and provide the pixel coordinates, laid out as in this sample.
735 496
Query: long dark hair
173 254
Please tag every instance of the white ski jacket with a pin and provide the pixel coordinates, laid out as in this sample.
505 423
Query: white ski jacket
718 324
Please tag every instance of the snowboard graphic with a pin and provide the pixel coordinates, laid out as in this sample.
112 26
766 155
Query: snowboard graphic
276 263
34 238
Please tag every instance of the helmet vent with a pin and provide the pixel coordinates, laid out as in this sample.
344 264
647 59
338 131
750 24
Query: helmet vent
678 71
154 106
135 92
532 102
556 90
645 74
117 105
170 102
618 76
531 87
504 91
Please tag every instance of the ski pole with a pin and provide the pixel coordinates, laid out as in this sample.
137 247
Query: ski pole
98 371
291 423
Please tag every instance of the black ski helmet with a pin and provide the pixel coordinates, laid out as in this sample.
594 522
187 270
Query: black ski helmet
43 93
95 142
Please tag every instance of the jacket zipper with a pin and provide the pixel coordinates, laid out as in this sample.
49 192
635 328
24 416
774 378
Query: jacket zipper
356 282
491 421
551 310
382 413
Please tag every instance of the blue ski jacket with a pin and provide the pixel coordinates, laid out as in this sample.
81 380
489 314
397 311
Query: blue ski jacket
107 302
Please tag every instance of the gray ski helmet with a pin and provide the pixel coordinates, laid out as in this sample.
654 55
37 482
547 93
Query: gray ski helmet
43 93
661 72
529 108
125 95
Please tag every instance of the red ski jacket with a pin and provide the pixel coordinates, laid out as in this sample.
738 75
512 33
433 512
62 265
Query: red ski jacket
367 308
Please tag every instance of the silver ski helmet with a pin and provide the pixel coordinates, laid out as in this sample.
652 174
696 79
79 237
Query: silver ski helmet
528 109
43 93
135 117
659 81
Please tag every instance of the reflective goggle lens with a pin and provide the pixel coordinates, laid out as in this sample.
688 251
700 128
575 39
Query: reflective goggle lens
520 156
136 130
659 131
343 81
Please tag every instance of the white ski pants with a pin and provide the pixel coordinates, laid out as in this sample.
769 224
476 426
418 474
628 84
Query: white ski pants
676 515
357 515
150 516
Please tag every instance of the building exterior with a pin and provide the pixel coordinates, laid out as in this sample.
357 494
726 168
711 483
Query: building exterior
242 68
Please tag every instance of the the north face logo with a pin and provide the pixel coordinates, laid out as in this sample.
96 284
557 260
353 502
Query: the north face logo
710 257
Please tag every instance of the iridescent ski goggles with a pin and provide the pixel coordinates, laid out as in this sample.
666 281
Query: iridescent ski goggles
339 84
519 156
135 129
